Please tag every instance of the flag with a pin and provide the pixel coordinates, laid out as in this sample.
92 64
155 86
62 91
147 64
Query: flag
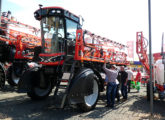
130 45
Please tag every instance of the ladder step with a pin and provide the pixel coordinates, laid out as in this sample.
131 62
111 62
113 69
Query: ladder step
64 80
65 76
69 55
62 86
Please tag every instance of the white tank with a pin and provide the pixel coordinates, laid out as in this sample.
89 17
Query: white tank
159 72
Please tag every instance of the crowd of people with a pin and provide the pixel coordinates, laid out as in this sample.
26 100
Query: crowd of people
119 80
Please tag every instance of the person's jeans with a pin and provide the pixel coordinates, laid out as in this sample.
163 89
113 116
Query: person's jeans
117 93
111 93
129 85
124 91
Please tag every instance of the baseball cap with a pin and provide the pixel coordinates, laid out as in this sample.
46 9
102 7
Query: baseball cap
114 66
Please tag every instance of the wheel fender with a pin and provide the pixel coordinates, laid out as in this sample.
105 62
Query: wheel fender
81 85
101 81
28 78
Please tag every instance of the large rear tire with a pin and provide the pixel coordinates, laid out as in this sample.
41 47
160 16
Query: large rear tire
90 101
2 76
38 93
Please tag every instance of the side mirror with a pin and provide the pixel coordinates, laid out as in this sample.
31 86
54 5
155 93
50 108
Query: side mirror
81 20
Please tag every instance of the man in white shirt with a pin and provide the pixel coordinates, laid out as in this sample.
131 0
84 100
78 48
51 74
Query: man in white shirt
130 78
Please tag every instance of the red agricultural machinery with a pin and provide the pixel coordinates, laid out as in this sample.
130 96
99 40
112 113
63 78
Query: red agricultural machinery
17 44
158 81
72 55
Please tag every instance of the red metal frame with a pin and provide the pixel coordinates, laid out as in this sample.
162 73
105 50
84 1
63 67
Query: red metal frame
20 40
141 51
110 49
157 56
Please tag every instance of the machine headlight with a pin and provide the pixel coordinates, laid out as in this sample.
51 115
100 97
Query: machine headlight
53 11
58 11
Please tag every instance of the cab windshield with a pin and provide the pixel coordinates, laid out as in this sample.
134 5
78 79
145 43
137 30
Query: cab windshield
53 33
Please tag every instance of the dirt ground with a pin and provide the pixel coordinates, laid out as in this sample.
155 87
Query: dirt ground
14 106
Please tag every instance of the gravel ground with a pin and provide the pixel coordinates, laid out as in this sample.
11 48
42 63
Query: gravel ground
14 106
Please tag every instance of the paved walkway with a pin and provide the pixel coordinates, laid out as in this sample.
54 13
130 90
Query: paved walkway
15 106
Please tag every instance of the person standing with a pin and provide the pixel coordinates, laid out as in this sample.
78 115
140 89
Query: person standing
138 79
123 78
130 78
111 84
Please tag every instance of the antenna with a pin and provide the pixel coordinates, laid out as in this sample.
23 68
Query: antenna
81 20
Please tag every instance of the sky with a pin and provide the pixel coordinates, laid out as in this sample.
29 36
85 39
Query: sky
118 20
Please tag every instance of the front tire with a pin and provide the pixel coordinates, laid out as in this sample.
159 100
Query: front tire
38 93
12 77
90 101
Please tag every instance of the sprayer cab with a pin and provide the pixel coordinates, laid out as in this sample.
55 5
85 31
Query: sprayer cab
58 32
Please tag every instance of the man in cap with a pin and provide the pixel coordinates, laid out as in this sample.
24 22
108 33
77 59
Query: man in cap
111 84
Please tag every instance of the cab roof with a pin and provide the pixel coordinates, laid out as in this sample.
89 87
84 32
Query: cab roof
53 11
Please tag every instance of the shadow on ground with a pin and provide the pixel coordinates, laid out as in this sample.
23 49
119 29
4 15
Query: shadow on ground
8 89
143 106
21 107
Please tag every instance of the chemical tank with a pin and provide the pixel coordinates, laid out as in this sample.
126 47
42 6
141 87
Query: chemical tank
159 72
